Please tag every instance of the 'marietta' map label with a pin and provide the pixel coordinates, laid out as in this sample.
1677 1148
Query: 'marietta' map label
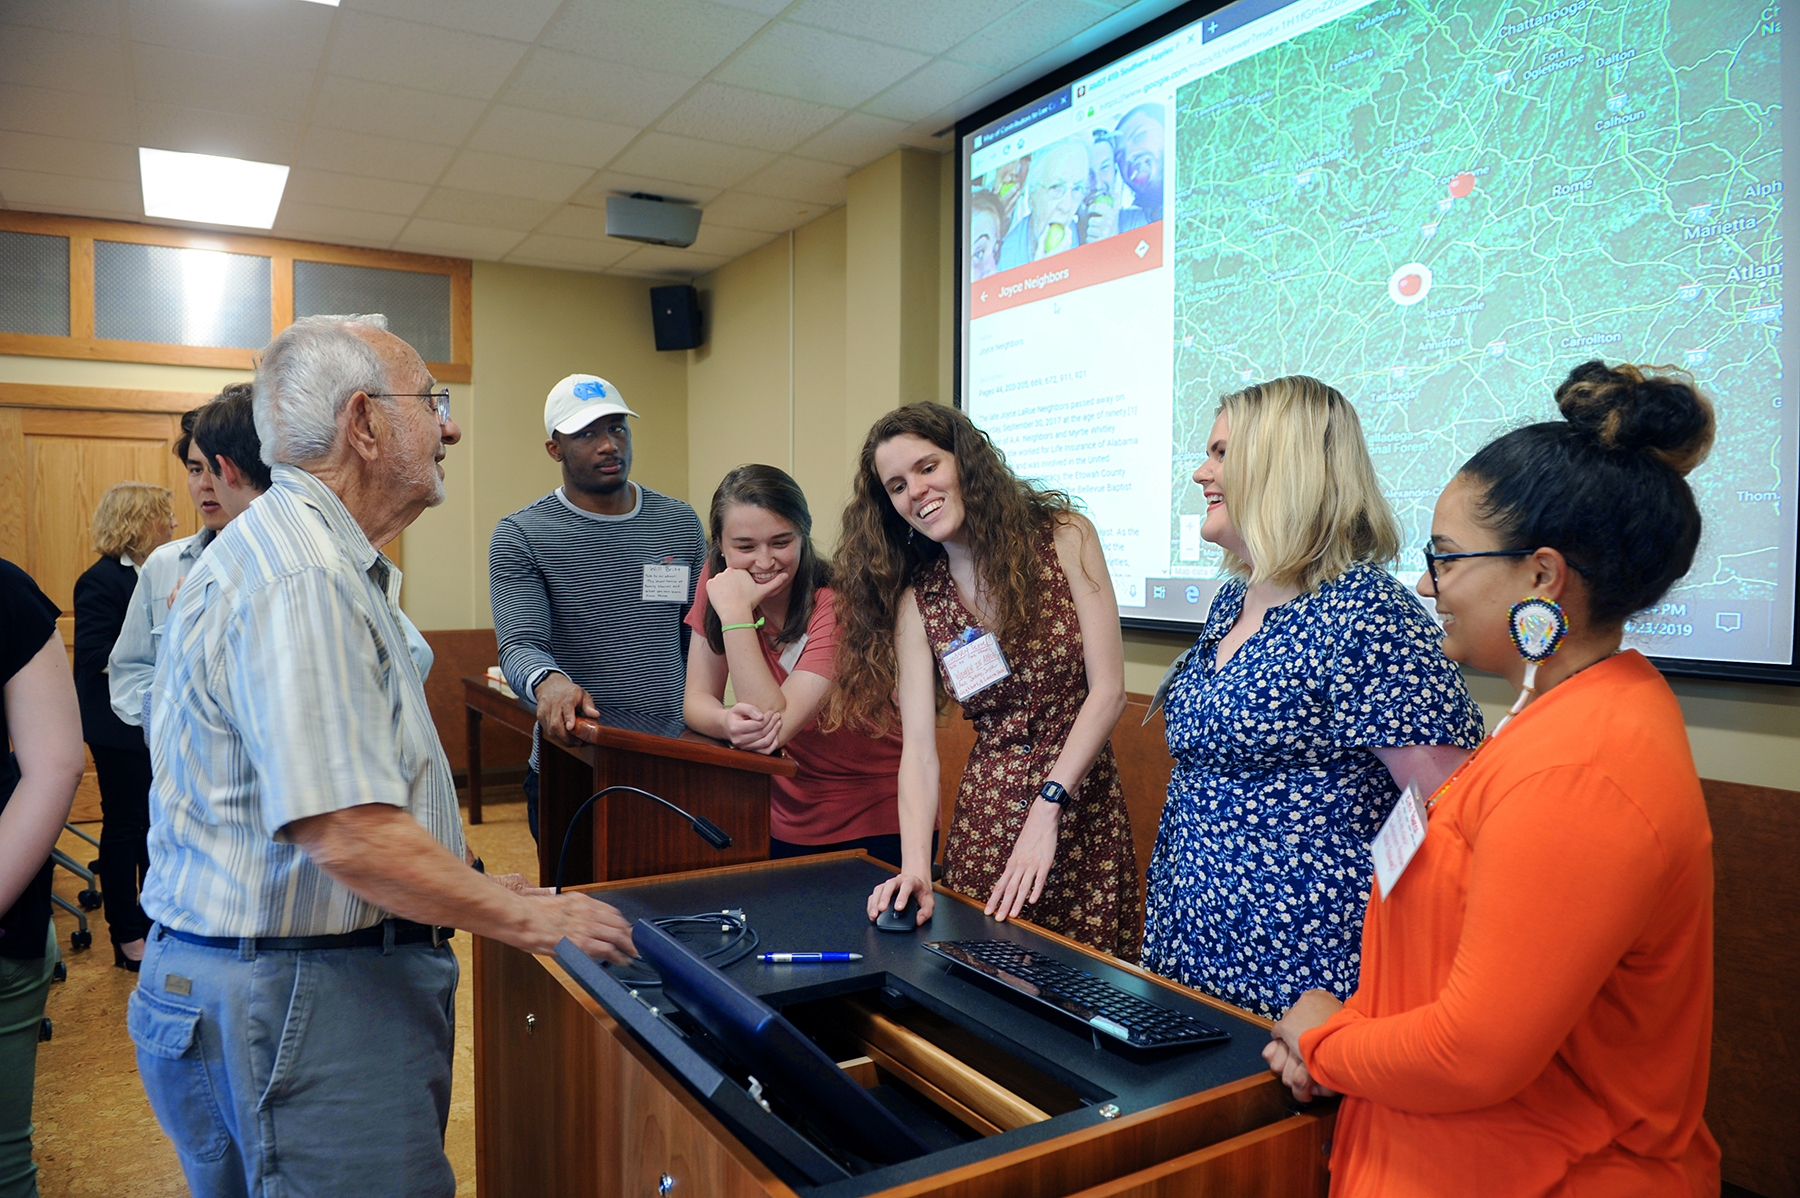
1576 180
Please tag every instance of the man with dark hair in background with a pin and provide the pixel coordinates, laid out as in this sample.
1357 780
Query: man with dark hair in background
132 664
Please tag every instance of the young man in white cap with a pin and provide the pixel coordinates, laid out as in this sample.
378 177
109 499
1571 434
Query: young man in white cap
590 583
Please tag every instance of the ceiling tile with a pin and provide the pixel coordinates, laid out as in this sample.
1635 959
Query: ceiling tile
402 112
800 179
688 160
746 118
337 224
463 241
553 81
287 35
69 156
550 136
476 170
90 18
377 157
571 252
421 56
741 210
815 64
205 131
1030 31
66 193
66 114
934 88
46 58
723 242
326 189
685 37
932 26
619 183
484 208
166 76
520 20
857 139
661 261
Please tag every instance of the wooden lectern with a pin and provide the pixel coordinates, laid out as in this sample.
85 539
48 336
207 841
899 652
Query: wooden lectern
632 837
571 1103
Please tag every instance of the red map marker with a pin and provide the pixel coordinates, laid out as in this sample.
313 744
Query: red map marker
1462 185
1409 284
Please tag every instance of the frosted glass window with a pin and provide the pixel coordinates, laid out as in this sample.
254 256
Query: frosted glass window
34 284
416 305
180 296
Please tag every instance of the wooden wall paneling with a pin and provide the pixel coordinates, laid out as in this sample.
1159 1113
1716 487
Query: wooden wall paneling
281 292
81 285
13 540
187 516
98 399
462 328
1754 1092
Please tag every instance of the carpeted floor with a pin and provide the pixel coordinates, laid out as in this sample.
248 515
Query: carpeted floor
96 1134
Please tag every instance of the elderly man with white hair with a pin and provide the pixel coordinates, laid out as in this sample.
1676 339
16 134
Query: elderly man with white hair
295 1014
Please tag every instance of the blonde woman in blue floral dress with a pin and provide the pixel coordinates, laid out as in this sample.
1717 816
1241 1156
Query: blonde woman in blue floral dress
1316 692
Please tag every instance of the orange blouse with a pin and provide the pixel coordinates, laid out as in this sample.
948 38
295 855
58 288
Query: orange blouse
1534 1010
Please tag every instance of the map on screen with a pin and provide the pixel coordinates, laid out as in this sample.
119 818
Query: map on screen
1438 208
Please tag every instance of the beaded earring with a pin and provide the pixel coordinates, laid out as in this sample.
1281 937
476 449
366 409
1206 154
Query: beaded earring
1537 626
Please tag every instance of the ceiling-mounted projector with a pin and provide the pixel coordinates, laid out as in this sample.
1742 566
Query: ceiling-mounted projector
640 217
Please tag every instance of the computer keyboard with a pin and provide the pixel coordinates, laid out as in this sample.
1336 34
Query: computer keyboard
1072 994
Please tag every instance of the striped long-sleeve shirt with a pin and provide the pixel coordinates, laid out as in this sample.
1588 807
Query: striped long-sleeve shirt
285 691
598 598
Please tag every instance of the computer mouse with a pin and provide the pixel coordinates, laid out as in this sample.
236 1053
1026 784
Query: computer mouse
900 919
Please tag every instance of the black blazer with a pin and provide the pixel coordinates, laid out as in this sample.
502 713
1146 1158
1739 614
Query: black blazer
101 595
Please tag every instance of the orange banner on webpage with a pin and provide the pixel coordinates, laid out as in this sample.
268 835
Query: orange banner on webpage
1128 253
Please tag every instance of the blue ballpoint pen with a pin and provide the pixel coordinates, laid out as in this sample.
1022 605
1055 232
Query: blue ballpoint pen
803 958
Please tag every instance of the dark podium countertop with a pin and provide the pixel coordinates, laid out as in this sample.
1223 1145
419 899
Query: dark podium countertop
818 905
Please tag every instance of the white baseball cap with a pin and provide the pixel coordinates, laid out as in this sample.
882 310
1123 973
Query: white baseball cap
578 401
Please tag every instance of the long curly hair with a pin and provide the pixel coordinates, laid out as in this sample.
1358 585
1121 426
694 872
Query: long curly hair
878 556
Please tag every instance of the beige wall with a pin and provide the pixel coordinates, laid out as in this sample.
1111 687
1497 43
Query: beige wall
532 327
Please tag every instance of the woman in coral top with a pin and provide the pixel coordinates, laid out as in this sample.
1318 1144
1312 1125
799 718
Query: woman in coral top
1533 1014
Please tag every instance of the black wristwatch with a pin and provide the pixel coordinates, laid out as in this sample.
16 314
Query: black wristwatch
1054 792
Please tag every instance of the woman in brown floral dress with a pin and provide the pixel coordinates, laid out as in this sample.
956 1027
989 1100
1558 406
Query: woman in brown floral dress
948 558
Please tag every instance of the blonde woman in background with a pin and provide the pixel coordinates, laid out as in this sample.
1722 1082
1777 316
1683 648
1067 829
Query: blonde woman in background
1316 692
132 520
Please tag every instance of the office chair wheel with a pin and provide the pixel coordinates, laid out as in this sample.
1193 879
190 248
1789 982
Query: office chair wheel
60 973
89 900
45 1030
81 940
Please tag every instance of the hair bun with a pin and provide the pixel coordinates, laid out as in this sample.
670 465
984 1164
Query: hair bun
1628 407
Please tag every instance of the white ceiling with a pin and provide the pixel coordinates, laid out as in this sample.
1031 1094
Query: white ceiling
495 129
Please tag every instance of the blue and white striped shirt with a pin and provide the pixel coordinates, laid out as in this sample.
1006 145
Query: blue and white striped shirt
285 691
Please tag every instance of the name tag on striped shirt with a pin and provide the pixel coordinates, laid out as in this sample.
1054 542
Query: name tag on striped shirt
665 582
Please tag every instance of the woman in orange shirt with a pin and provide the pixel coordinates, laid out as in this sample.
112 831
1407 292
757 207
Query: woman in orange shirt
1533 1014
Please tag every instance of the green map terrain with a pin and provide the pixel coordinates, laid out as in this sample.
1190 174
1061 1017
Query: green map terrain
1596 178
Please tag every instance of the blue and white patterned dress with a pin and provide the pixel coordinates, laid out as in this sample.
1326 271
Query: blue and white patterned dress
1261 871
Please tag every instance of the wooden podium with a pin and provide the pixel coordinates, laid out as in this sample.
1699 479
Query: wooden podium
633 837
570 1103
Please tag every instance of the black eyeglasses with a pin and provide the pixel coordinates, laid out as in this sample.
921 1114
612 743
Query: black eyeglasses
440 400
1432 559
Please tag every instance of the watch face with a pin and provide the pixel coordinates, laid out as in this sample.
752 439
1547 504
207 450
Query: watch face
1053 792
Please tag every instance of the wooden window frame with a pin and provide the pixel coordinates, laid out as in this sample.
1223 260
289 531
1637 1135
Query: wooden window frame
82 232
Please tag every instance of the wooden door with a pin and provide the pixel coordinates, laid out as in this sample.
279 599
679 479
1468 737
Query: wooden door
56 465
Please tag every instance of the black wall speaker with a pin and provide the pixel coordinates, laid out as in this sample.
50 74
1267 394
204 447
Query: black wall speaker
676 314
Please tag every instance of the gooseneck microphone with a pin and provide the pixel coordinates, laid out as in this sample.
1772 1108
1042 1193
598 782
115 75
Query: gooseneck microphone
707 830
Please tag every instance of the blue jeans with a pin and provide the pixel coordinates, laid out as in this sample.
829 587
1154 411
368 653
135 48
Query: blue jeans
300 1073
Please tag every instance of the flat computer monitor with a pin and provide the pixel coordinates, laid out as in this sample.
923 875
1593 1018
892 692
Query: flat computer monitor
791 1068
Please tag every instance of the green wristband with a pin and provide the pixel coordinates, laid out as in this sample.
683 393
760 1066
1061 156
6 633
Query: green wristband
758 624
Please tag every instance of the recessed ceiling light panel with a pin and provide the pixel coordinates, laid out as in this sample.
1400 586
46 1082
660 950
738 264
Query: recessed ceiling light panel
210 190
